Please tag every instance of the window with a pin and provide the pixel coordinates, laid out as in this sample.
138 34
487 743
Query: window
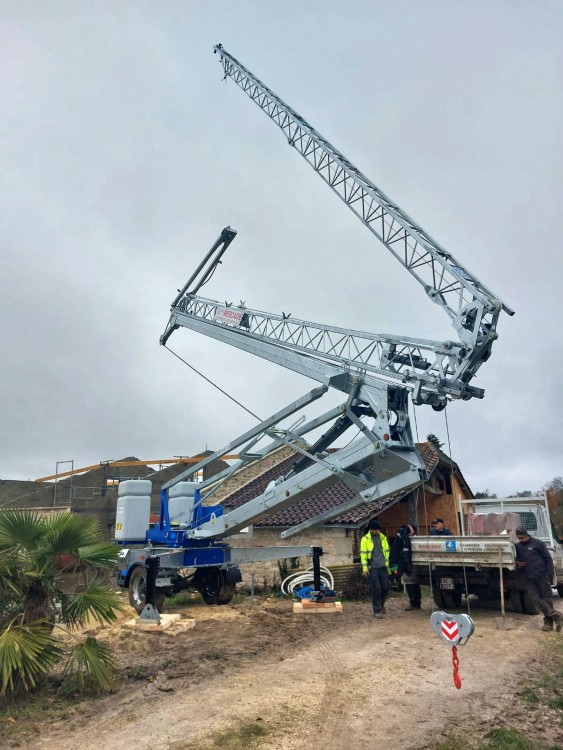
528 520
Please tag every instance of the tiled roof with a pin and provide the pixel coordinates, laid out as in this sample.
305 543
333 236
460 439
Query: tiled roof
322 501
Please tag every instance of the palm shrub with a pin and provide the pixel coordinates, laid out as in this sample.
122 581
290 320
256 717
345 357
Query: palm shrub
36 552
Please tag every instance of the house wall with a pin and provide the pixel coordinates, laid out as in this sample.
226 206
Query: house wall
429 505
444 506
337 544
395 516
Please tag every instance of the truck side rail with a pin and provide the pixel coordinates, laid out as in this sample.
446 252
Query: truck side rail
473 551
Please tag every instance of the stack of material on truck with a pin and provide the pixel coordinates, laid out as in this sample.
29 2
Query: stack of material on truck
493 524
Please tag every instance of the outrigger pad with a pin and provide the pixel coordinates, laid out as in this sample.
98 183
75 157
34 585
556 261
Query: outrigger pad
149 614
452 629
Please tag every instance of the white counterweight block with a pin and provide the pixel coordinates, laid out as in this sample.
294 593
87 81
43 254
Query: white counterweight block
181 501
132 516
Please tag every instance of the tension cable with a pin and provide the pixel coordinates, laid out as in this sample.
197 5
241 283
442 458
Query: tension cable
242 406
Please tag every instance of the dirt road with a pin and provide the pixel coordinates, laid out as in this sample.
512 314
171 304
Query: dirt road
305 681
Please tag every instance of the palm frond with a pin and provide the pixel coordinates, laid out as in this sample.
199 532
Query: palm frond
12 594
12 581
65 533
26 652
101 555
20 528
97 602
91 659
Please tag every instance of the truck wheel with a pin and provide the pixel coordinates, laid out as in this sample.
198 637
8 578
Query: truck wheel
438 598
137 591
529 608
560 589
522 603
447 599
516 601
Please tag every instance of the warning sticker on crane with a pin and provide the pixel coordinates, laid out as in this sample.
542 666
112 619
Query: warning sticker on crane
229 315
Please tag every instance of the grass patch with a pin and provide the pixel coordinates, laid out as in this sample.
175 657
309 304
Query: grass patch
245 735
547 690
510 739
193 599
183 599
496 739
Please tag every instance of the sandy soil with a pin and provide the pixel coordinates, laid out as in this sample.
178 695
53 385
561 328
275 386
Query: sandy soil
312 681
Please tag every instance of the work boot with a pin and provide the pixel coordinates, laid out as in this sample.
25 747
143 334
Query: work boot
558 622
378 615
411 607
547 627
383 612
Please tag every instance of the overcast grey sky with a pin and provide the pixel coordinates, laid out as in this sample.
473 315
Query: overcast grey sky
124 155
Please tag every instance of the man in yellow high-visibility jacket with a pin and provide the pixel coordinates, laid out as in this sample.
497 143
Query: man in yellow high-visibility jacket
374 554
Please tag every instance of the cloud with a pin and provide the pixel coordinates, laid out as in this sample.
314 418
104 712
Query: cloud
125 155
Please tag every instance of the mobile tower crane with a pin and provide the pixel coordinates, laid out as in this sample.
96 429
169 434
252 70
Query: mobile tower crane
376 373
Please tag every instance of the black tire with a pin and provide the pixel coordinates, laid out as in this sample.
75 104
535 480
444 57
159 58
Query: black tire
137 591
210 582
522 603
226 593
207 582
560 589
516 601
437 596
529 606
447 599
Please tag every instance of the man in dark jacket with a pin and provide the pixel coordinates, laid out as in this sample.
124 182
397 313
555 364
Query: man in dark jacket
400 562
533 555
440 529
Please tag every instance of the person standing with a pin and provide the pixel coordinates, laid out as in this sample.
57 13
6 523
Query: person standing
532 555
440 528
374 556
400 562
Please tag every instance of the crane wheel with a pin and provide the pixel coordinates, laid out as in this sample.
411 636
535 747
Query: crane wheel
211 584
137 591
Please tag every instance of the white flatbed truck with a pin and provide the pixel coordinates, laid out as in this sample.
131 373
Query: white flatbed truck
477 563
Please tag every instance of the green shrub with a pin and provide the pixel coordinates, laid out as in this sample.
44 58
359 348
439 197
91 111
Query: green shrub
356 587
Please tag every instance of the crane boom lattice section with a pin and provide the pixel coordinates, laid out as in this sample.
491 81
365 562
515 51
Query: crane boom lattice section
473 308
436 365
